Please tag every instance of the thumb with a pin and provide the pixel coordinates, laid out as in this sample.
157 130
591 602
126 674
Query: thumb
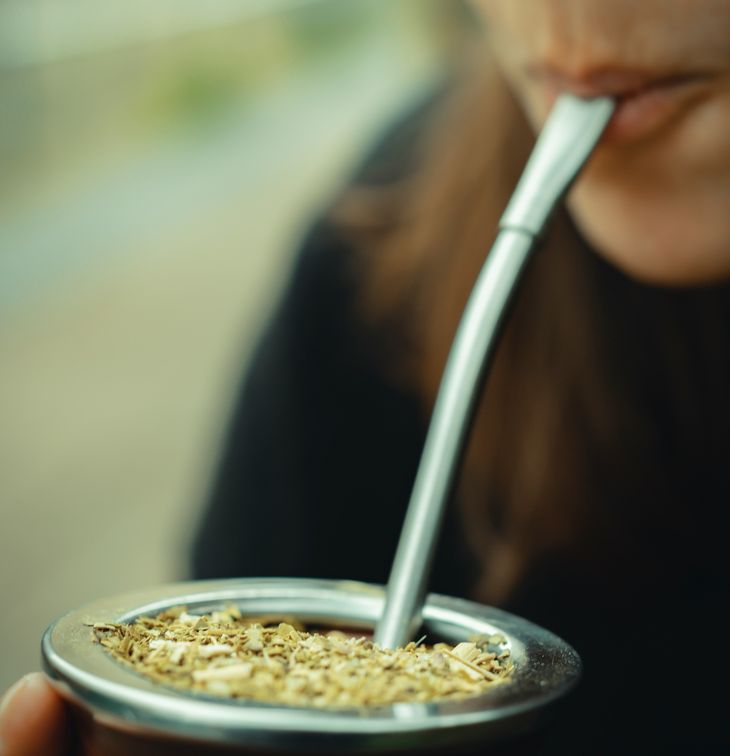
33 719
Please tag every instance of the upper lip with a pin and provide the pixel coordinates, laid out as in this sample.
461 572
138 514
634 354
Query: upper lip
615 82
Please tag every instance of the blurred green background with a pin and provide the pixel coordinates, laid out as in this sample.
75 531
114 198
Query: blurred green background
158 163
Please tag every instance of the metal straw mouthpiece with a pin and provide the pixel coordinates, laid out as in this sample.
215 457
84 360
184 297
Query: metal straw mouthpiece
563 146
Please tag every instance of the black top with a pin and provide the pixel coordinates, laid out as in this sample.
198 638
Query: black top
318 434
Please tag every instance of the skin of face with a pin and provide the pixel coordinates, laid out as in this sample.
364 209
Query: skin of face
654 198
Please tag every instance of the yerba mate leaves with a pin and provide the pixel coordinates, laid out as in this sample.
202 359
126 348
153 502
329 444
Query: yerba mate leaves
225 654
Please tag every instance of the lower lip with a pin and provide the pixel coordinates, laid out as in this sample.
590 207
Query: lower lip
651 109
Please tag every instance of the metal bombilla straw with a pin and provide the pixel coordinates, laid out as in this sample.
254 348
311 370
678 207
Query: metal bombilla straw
570 134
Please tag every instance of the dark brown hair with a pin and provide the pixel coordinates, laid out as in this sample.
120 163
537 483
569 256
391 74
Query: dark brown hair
602 398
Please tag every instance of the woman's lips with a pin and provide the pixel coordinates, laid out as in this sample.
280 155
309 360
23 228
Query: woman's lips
644 103
644 111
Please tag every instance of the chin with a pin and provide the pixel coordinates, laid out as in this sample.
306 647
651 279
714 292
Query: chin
666 271
669 248
668 265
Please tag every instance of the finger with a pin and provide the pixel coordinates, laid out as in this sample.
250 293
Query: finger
33 720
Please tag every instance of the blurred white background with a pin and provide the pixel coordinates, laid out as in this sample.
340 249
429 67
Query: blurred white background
158 163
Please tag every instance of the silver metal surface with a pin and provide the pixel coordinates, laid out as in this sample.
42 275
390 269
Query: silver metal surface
563 146
565 143
123 701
